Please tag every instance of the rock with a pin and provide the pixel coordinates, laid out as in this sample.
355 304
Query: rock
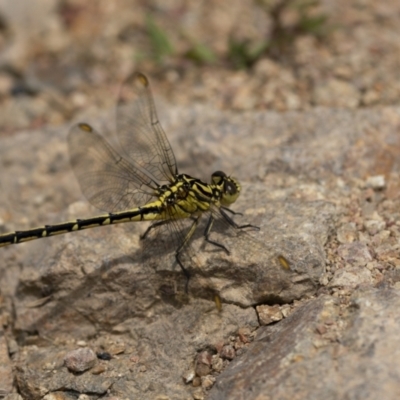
203 363
6 373
104 286
351 277
376 182
228 352
80 360
347 233
355 253
335 362
269 314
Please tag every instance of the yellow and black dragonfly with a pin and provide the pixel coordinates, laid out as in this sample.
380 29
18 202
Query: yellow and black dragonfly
141 182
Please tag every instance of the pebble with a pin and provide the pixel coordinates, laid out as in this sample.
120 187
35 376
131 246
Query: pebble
207 382
203 363
198 394
374 226
188 376
217 363
268 314
376 182
80 360
228 352
351 277
347 233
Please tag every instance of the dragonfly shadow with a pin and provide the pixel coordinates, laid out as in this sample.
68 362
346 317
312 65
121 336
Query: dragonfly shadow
100 301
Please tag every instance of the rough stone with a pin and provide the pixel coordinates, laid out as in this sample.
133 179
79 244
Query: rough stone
351 277
6 373
349 359
99 283
268 314
80 360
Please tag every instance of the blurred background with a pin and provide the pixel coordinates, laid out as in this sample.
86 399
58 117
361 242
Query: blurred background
61 58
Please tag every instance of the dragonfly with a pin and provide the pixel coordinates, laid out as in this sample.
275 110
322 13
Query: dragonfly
141 182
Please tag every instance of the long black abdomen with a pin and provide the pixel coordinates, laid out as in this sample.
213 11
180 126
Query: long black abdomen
150 212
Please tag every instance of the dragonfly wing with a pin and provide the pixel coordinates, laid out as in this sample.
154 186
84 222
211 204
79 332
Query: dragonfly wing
109 181
139 131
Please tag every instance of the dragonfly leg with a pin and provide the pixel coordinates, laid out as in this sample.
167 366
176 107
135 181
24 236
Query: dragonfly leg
233 223
231 211
207 235
152 226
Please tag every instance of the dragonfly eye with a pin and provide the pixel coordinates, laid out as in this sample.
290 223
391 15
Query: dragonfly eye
231 191
229 188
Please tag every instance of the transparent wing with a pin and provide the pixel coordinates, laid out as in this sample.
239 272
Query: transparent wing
109 181
139 132
199 257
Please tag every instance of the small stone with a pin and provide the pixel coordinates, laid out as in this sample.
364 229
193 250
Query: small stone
319 343
286 310
198 394
134 358
98 369
196 381
238 345
53 396
356 253
12 346
381 237
376 182
244 334
323 281
268 314
204 357
203 363
83 397
351 277
228 352
117 348
217 363
188 376
207 382
374 226
202 369
80 360
347 233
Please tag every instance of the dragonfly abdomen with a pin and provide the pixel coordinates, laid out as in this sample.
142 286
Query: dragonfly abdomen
149 212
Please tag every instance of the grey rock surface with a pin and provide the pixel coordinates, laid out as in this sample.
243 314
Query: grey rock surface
6 374
322 351
304 179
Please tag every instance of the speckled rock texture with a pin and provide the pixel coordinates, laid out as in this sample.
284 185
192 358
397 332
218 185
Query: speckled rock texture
98 288
306 307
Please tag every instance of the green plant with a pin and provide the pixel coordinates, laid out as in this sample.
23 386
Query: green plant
161 45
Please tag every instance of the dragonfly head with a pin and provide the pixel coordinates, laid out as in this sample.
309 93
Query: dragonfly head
229 187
